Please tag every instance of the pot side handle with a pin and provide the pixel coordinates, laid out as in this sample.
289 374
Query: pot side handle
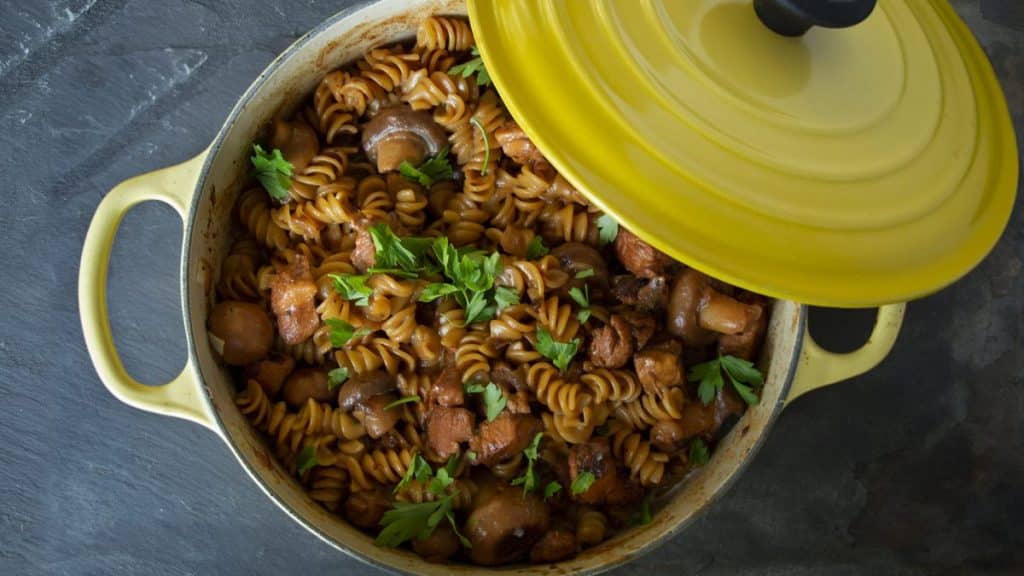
181 396
819 367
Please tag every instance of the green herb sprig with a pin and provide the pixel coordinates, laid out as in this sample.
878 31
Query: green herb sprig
607 228
473 66
742 374
342 332
529 478
273 172
560 353
433 169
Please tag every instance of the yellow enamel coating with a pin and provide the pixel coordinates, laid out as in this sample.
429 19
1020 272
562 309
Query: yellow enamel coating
850 167
181 396
819 367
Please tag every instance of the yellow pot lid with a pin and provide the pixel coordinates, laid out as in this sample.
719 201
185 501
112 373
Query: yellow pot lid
844 167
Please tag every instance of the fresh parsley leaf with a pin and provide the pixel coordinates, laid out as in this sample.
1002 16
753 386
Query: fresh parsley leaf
474 389
352 287
392 272
434 169
306 460
437 290
472 275
743 375
487 145
394 252
505 297
536 249
582 297
582 483
745 392
551 489
560 353
607 228
699 453
441 481
462 539
342 332
273 172
585 273
336 377
478 310
473 66
494 401
452 465
643 516
407 521
418 469
741 370
403 400
529 478
471 455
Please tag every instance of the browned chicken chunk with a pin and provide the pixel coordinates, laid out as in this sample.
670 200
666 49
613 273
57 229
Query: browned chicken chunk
292 298
647 294
503 438
517 145
609 486
365 253
447 428
659 367
611 346
446 389
271 372
639 257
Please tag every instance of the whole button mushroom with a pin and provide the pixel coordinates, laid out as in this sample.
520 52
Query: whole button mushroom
306 383
244 329
504 527
399 134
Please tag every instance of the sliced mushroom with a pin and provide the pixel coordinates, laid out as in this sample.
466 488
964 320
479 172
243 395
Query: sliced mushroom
361 387
399 134
576 258
724 314
683 307
376 417
747 343
517 145
556 544
441 545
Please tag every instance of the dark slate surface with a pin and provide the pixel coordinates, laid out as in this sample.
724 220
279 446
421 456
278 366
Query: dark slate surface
916 468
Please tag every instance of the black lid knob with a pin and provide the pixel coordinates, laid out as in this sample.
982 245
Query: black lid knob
795 17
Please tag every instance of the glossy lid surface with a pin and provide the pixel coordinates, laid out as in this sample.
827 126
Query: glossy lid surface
845 167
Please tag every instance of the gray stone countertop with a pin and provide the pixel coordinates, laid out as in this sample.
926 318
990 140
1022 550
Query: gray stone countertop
914 468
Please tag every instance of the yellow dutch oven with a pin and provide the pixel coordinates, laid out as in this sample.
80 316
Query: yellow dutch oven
817 168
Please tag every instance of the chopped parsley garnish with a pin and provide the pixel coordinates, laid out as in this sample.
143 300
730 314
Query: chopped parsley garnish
352 287
743 375
306 460
470 277
608 229
582 483
585 273
336 377
560 353
494 401
273 172
536 249
551 489
473 66
582 298
403 400
505 297
474 389
407 520
529 478
699 453
394 252
342 332
643 516
434 169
